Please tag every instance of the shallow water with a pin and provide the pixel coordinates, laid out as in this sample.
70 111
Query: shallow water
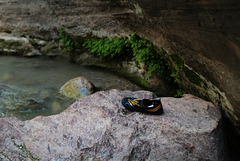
29 86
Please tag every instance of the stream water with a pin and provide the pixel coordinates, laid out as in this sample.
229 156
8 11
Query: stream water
29 86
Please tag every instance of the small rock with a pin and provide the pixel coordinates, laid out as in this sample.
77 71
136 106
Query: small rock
45 93
6 76
29 105
56 107
33 53
77 88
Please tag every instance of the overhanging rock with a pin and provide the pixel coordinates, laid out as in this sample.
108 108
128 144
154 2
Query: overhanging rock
98 127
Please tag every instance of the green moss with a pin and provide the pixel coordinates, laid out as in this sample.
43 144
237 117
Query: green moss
180 67
179 93
179 62
68 41
134 48
145 52
130 48
107 48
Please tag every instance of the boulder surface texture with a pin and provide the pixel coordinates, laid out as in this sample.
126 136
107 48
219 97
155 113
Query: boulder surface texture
77 88
97 127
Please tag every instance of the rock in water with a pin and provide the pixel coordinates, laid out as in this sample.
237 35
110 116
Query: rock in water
29 105
97 128
77 88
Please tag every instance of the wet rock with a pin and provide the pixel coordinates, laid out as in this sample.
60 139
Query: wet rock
56 107
29 105
29 82
6 76
45 93
33 53
97 127
12 45
77 88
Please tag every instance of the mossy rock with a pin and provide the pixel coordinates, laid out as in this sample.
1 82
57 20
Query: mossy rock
77 88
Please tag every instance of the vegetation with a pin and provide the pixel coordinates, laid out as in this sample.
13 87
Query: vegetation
129 48
68 42
105 47
180 92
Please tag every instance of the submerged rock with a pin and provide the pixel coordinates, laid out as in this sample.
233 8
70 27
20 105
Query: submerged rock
77 88
29 105
97 127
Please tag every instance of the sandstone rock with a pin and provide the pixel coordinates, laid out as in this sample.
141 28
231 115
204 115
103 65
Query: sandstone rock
77 88
11 44
97 127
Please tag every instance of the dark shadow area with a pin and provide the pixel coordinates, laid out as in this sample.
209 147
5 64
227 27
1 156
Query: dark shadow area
232 140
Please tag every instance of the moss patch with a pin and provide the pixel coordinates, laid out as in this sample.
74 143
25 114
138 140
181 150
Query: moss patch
122 48
170 68
179 62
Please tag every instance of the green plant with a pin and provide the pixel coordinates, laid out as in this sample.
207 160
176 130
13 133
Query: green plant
180 93
106 47
145 52
175 75
67 40
134 48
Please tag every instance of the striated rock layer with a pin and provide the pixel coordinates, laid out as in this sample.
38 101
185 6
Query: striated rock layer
204 33
98 127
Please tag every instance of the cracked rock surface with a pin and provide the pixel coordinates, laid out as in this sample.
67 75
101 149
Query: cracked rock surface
97 127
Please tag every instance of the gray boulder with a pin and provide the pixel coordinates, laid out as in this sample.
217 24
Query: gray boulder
77 88
97 127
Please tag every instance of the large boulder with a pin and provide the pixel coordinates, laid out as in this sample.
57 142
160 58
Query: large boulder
77 88
97 127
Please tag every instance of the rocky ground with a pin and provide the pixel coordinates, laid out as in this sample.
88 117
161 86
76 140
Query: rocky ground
97 127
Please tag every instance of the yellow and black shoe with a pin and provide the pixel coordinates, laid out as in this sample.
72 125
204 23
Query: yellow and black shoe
144 105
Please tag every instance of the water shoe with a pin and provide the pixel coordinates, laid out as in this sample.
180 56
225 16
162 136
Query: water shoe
144 105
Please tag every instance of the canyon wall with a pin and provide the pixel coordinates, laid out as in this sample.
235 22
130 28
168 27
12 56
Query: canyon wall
205 34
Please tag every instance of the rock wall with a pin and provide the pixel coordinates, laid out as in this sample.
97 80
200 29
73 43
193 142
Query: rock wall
204 33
